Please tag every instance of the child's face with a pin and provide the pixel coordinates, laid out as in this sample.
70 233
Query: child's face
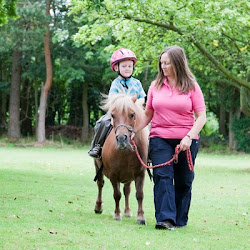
126 68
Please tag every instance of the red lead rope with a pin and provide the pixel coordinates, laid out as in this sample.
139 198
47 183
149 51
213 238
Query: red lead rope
175 158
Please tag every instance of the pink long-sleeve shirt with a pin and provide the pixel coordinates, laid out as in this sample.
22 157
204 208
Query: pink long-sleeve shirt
173 111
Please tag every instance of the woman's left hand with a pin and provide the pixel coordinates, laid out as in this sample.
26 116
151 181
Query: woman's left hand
185 143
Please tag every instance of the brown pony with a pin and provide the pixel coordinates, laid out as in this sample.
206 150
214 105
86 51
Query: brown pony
120 163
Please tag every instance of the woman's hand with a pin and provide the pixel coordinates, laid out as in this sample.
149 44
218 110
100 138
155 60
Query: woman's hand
198 125
147 117
132 135
185 143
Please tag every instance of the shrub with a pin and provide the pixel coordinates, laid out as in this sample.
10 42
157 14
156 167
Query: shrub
212 125
241 129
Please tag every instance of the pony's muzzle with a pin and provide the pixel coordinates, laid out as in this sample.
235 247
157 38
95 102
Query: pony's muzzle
122 141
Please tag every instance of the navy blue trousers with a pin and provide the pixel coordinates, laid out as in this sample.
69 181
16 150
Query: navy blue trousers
172 183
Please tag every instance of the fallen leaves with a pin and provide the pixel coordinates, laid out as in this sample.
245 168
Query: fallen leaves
53 232
13 216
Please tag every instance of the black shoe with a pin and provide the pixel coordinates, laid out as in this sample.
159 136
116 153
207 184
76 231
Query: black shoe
95 152
179 226
167 225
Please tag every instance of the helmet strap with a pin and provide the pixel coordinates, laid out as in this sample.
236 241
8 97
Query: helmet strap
124 85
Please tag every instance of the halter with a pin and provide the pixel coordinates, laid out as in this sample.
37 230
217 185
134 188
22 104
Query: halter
129 128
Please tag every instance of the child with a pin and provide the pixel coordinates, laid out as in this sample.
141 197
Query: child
122 62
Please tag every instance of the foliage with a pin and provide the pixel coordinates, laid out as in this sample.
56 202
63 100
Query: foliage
76 65
148 26
241 128
24 33
47 201
216 144
83 42
7 10
211 127
213 34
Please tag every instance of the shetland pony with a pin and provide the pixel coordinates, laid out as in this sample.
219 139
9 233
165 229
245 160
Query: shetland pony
120 163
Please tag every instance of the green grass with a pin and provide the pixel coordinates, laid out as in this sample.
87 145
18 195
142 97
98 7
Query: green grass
47 198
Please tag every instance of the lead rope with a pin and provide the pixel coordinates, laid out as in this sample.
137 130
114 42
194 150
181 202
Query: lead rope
174 159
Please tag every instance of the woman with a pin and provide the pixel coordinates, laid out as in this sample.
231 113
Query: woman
174 97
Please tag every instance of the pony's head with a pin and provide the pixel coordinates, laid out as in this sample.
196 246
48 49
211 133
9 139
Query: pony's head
125 113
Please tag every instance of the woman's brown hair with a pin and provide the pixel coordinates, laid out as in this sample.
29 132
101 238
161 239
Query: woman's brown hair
185 80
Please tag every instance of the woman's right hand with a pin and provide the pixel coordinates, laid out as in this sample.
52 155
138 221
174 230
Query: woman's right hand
185 143
148 114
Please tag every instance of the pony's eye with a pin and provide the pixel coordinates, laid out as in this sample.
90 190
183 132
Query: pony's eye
113 116
132 115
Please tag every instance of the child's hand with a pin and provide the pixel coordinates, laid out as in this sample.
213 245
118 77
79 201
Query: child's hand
134 97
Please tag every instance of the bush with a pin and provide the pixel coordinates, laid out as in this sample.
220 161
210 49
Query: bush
241 129
212 125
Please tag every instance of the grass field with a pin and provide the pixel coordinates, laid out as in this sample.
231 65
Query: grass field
47 198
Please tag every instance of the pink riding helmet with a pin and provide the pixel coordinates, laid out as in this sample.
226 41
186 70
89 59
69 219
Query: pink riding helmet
122 55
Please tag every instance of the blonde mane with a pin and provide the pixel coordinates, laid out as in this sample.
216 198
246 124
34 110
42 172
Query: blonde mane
121 103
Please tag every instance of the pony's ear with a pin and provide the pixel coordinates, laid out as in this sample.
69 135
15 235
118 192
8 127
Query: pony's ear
134 98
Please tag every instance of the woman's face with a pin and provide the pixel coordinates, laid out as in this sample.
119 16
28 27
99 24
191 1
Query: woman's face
166 65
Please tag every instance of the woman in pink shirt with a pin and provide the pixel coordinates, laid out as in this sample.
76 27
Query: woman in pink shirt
175 106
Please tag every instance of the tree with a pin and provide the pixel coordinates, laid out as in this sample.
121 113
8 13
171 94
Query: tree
218 30
75 68
79 74
48 83
14 110
18 38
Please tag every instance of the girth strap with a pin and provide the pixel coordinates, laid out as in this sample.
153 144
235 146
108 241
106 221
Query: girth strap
99 172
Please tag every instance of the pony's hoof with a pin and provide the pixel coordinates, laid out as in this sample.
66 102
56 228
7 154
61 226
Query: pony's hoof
141 222
128 215
117 217
98 211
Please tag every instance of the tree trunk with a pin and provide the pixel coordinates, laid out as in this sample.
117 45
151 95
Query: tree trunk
245 101
3 105
26 109
14 105
41 117
222 118
36 107
3 112
85 115
232 141
45 89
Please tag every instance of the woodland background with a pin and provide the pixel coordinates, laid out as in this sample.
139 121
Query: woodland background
54 61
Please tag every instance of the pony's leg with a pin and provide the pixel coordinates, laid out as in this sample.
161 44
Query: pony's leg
117 197
126 191
98 203
139 182
100 184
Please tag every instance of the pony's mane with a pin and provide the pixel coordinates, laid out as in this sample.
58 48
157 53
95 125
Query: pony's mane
121 103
